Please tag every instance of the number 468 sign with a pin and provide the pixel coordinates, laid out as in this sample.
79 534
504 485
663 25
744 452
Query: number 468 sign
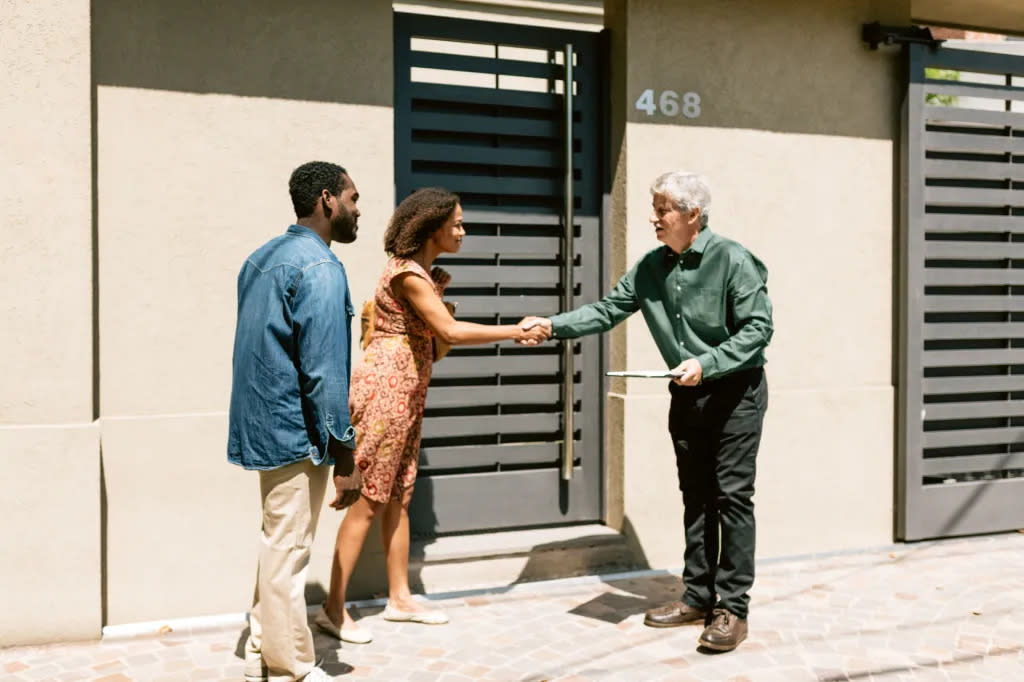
669 103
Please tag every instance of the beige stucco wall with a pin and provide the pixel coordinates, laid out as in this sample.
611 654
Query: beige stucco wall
45 213
999 16
50 506
49 448
195 146
801 164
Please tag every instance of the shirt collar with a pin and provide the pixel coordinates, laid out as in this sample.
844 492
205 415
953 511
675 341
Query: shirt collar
302 231
701 242
669 256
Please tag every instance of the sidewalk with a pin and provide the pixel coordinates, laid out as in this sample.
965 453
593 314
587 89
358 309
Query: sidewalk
951 610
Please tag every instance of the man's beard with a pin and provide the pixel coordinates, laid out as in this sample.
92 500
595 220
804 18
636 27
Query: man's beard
344 227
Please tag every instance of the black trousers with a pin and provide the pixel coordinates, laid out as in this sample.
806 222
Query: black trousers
716 430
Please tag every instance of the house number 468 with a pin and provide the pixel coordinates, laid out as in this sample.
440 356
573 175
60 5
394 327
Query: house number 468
669 103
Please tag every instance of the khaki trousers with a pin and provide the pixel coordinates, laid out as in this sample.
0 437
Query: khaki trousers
280 644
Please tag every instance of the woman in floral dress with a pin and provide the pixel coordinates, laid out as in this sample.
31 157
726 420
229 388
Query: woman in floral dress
388 393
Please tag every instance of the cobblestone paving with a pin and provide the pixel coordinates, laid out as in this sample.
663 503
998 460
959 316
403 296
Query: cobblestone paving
951 610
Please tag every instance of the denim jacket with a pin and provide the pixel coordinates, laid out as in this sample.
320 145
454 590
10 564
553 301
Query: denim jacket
292 355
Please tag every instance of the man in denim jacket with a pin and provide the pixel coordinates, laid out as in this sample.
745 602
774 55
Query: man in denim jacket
289 415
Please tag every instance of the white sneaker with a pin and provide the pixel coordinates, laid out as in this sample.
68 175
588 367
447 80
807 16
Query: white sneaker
426 617
316 675
351 635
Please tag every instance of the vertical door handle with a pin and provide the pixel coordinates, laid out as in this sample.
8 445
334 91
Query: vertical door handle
568 364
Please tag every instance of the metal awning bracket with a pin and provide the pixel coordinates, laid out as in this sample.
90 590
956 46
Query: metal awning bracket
875 34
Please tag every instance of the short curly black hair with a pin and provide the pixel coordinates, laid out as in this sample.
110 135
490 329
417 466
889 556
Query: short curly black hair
312 178
418 216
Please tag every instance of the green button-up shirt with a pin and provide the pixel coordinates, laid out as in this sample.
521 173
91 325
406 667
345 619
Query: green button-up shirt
710 303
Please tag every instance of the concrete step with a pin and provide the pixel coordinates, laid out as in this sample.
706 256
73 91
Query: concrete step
489 560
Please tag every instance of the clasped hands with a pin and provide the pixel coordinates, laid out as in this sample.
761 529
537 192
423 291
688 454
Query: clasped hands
536 330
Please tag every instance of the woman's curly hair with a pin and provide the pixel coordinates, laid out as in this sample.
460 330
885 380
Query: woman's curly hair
416 218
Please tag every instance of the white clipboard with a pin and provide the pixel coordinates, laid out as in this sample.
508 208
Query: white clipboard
644 374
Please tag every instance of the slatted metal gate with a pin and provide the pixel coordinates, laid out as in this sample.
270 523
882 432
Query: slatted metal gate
480 109
961 465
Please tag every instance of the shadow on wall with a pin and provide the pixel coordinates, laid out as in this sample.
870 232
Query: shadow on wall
316 50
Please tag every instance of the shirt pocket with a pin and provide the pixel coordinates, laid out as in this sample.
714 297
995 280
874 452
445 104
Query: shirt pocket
708 308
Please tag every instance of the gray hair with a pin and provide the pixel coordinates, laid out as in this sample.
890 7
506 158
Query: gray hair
686 190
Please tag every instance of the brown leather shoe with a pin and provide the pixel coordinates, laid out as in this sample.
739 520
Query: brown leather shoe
674 614
726 631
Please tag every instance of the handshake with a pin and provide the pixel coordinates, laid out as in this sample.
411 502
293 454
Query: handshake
535 330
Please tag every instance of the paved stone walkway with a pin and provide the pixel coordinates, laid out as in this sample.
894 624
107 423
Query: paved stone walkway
950 610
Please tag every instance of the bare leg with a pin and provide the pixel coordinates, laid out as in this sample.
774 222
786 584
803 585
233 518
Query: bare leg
351 535
394 532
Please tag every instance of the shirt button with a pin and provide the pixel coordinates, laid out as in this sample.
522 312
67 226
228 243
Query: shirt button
677 314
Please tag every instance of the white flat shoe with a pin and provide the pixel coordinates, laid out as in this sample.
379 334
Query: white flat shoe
350 635
425 617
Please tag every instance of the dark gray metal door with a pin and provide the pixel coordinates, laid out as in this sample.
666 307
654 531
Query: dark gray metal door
961 464
480 110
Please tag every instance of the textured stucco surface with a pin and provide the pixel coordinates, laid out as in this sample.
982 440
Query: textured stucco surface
51 570
45 213
998 16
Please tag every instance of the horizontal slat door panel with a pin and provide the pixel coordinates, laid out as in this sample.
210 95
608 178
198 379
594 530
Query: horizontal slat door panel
506 365
547 276
934 168
506 424
544 247
974 276
486 185
969 196
975 410
509 67
963 115
980 384
973 358
974 330
948 222
973 143
465 154
492 125
975 90
970 508
483 216
965 437
974 250
464 94
943 465
545 306
474 396
443 500
478 456
973 304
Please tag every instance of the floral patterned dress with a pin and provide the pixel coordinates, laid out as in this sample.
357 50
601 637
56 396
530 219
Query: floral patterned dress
389 390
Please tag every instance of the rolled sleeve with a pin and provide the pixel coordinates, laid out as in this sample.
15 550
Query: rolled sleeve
321 319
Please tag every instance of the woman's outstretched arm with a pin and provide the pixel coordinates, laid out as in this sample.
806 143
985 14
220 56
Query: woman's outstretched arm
428 305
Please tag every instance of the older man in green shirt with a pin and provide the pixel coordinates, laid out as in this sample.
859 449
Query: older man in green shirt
705 300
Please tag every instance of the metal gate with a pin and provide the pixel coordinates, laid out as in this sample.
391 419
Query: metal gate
961 465
483 110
